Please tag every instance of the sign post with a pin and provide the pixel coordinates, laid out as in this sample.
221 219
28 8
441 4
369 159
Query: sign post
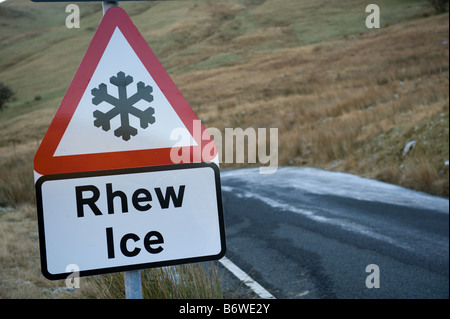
109 4
132 278
126 176
133 285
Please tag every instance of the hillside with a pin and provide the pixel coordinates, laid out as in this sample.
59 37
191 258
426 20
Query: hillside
343 97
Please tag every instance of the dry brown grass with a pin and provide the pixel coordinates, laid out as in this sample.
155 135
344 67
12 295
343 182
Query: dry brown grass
16 177
19 259
190 281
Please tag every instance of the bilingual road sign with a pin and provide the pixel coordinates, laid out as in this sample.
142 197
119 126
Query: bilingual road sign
110 196
109 221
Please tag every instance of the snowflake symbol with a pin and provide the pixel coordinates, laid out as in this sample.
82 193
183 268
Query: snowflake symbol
123 106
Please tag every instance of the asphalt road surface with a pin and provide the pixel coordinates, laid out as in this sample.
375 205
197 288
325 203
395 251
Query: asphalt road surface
309 233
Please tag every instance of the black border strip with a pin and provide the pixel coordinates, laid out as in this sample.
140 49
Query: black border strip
125 171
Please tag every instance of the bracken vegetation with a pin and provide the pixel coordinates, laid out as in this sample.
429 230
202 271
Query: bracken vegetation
342 96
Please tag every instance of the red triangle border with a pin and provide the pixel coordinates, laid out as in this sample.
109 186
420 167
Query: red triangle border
44 161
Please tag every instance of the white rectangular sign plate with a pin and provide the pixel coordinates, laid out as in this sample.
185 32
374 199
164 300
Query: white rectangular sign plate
120 220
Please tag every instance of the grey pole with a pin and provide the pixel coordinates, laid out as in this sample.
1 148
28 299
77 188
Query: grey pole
108 4
133 285
132 278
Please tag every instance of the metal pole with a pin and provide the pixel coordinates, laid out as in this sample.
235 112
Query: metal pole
133 285
108 4
132 278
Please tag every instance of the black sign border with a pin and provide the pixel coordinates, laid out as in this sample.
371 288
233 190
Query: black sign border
99 271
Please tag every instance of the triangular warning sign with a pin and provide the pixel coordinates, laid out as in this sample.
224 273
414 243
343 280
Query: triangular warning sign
122 110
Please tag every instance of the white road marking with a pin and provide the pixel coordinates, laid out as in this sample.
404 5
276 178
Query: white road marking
245 278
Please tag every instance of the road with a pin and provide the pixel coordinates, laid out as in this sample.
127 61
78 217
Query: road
309 233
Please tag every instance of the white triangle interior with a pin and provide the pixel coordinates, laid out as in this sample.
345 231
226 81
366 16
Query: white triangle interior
82 137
